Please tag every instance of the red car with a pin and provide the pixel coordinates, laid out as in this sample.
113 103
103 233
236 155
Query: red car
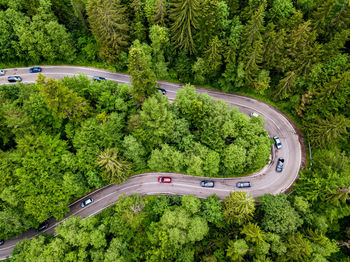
164 179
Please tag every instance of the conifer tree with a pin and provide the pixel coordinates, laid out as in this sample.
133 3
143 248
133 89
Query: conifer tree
142 77
109 25
184 15
159 12
252 51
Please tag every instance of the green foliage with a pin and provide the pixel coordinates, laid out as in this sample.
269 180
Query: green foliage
109 25
238 208
184 15
142 76
278 214
63 102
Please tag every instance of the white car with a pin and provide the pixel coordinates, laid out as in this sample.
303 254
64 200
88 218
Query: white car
254 114
2 72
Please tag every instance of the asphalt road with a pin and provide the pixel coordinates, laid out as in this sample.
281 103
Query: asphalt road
264 181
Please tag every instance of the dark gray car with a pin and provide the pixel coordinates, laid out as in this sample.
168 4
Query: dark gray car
86 202
14 79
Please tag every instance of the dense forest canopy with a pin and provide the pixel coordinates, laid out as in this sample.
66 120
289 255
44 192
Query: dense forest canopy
295 53
63 138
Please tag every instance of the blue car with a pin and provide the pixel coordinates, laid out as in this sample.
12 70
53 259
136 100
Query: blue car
35 69
99 78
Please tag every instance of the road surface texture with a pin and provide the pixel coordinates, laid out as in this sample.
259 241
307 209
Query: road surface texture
267 180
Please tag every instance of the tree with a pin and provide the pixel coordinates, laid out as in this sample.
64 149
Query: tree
160 12
63 102
237 249
278 214
115 169
157 121
159 38
298 247
166 159
212 211
143 78
330 130
252 51
134 151
184 15
109 25
44 38
238 208
253 233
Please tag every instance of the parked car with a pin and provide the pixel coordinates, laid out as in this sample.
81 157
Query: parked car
243 184
161 90
277 142
253 114
206 183
14 79
280 164
2 72
35 69
86 202
2 242
163 179
99 78
44 225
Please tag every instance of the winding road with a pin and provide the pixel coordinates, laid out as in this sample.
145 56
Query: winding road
267 180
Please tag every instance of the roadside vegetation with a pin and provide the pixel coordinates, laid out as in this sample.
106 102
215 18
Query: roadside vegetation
63 138
294 53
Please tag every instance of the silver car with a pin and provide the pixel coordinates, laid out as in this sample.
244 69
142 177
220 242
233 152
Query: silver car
2 72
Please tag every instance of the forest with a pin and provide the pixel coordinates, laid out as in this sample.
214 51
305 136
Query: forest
293 54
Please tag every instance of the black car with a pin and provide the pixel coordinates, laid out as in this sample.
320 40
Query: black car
86 202
35 69
2 242
206 183
99 78
43 226
243 184
161 90
14 79
280 164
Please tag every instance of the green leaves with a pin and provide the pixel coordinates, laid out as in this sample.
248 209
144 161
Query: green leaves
238 208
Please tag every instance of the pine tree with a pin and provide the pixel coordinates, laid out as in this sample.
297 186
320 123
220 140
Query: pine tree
329 131
252 51
109 25
159 12
184 15
213 57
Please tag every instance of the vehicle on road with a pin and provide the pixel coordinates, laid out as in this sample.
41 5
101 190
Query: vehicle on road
35 69
277 142
2 242
43 226
206 183
161 90
86 202
163 179
14 79
2 72
280 164
99 78
253 114
243 184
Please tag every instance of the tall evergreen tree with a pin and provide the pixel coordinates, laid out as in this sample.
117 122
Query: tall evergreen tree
109 25
143 78
252 44
160 13
184 15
